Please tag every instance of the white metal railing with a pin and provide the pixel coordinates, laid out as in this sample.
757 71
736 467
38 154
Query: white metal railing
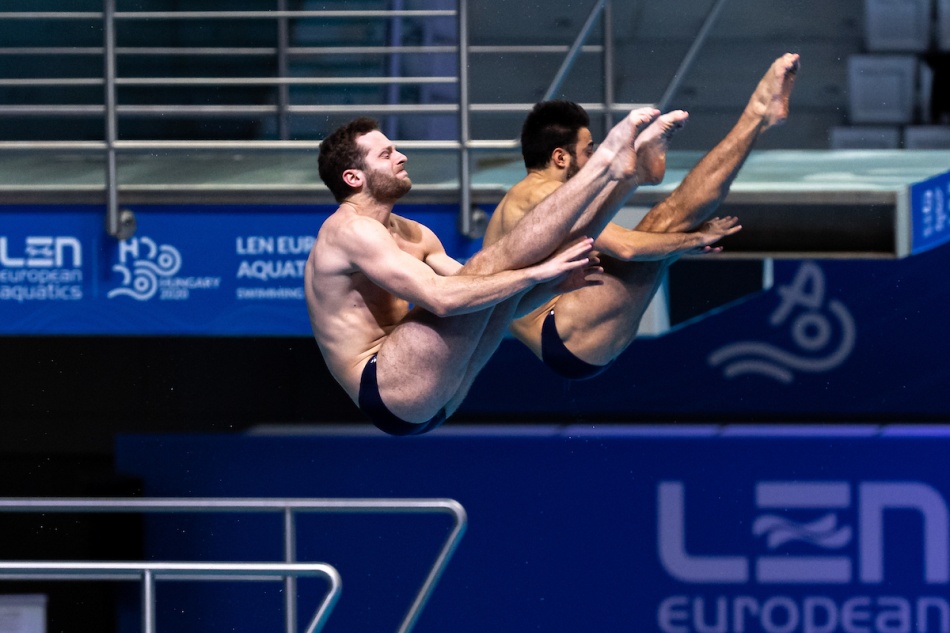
122 223
148 573
289 509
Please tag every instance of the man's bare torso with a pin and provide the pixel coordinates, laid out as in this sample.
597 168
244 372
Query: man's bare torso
519 200
351 315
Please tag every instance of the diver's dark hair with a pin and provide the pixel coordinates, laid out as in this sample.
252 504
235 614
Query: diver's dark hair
550 125
339 152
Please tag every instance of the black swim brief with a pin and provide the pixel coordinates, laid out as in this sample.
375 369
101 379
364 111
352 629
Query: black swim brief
372 405
556 355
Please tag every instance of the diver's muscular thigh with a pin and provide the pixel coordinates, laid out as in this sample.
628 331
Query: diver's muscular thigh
423 361
599 322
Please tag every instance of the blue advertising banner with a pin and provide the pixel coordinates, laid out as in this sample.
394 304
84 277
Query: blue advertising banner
830 340
188 270
673 529
930 210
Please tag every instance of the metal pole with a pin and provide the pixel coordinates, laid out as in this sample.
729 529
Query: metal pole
112 198
148 601
119 224
290 582
466 224
573 52
283 70
451 544
288 507
394 70
608 67
664 102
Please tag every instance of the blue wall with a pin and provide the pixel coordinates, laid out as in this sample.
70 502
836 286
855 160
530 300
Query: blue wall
577 529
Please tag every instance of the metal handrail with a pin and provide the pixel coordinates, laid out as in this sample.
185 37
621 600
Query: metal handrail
572 53
228 81
289 508
269 51
441 108
117 225
121 224
690 56
150 572
281 80
223 15
466 217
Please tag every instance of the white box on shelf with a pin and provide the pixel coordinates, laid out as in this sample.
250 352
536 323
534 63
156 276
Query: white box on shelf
881 88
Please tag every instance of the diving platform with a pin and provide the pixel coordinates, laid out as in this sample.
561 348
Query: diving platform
792 204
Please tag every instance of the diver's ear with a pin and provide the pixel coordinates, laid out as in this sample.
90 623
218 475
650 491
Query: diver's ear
560 158
354 178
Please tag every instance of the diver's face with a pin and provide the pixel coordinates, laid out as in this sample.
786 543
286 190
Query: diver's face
583 150
386 175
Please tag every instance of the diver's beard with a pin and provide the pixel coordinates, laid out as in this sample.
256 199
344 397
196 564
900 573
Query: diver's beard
386 187
572 170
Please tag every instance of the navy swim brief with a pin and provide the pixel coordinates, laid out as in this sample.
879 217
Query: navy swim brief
556 355
372 405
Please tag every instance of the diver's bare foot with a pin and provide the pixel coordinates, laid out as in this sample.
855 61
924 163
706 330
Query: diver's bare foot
618 149
651 146
769 102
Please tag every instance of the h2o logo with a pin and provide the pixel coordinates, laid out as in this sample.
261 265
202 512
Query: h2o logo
874 499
